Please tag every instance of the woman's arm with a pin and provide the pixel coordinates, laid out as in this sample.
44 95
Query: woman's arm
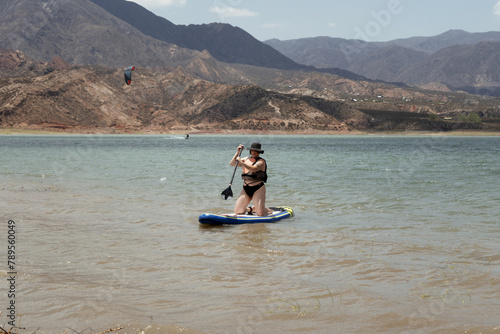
237 154
250 166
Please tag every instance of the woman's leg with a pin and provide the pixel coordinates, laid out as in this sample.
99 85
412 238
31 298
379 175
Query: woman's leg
242 202
259 200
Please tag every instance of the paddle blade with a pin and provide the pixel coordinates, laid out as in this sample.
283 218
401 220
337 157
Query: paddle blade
227 194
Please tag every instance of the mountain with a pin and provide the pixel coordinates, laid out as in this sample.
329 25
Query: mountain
224 42
325 52
389 63
455 58
433 44
81 32
459 66
94 35
176 88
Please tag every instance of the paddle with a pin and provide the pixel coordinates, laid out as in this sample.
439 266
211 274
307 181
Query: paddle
228 193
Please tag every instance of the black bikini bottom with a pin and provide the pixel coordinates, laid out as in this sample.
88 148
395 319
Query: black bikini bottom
250 190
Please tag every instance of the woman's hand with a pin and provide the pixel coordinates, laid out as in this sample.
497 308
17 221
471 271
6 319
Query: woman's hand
238 154
236 157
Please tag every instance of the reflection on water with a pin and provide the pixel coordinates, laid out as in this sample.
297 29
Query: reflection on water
391 235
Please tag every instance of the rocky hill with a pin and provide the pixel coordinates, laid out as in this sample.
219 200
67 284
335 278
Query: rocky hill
204 66
97 99
16 63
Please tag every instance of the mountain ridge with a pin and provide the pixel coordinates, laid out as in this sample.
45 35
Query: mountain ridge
407 60
213 37
42 30
432 44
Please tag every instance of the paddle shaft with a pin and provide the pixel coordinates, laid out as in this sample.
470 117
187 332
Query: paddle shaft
235 167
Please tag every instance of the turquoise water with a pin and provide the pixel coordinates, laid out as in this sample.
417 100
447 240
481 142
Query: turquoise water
392 234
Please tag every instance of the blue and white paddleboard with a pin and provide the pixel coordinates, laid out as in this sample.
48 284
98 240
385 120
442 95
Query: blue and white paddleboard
232 219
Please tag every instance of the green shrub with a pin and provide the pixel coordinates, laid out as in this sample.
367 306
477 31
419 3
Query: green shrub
470 118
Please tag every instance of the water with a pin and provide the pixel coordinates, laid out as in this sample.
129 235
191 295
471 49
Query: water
391 235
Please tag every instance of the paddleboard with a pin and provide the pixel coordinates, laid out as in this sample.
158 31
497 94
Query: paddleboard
232 219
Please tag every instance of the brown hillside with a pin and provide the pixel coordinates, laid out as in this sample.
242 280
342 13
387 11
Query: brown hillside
94 98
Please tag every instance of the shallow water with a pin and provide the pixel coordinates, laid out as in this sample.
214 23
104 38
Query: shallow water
391 235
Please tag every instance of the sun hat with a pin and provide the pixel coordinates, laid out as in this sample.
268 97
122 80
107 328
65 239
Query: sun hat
256 147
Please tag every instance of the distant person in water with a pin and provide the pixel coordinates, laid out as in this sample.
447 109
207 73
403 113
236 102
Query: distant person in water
254 177
187 136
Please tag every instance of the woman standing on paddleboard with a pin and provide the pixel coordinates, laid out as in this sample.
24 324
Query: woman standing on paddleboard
254 177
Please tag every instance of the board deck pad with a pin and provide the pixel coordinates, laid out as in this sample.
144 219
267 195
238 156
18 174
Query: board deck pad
232 219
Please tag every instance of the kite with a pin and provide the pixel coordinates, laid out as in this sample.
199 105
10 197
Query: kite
128 74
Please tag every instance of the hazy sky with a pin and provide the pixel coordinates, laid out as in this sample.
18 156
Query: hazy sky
370 20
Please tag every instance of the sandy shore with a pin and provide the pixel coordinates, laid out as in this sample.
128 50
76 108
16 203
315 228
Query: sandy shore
17 131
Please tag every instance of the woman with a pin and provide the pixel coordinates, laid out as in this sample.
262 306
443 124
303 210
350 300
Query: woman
254 177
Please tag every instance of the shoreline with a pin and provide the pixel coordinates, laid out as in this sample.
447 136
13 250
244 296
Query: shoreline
111 131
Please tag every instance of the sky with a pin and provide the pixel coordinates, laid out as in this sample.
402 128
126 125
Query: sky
369 20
